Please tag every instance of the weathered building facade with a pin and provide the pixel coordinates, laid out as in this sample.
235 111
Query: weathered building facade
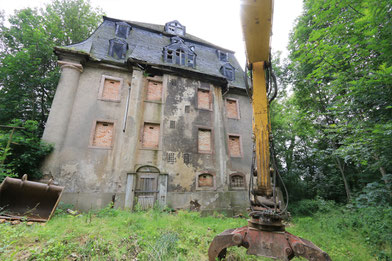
147 114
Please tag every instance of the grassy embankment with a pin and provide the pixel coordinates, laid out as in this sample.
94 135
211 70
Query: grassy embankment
119 235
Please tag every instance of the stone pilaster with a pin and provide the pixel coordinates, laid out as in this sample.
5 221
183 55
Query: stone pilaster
60 111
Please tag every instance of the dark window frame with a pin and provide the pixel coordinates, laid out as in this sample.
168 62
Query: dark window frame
228 71
114 48
235 187
120 26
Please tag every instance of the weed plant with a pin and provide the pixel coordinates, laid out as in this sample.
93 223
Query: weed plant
156 234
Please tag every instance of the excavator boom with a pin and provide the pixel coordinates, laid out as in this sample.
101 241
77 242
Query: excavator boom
265 233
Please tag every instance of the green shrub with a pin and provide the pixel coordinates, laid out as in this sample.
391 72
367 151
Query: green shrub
26 150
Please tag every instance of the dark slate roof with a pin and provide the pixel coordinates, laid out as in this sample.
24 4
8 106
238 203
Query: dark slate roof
145 45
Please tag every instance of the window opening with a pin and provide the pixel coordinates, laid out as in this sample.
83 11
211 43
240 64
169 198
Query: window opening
187 108
151 135
117 48
228 71
172 124
204 140
170 157
111 89
122 30
205 180
234 146
203 99
175 27
190 60
222 56
186 158
232 109
154 91
169 56
103 134
180 57
237 181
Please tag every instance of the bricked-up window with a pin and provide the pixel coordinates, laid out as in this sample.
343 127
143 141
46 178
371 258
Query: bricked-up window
204 141
151 135
232 109
205 180
237 181
204 99
110 89
154 91
103 134
235 146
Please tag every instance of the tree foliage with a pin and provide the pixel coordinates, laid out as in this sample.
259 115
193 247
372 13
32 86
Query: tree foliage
28 71
334 132
21 150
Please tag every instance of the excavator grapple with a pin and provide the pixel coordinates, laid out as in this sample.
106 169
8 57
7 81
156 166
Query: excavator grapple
21 199
278 244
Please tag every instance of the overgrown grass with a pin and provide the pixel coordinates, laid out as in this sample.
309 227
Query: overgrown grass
112 234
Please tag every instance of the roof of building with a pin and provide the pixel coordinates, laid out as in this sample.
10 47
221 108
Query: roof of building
145 45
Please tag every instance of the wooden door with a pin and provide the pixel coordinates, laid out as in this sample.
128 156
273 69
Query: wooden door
146 190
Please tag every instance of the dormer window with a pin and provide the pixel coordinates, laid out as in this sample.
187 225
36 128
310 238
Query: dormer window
122 30
179 53
180 57
191 60
175 28
223 56
228 71
118 48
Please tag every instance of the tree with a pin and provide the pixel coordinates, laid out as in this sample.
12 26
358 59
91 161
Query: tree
28 71
21 150
340 67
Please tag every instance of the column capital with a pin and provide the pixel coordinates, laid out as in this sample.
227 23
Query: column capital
76 66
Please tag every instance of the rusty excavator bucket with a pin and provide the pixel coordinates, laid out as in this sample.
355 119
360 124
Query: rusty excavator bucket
28 200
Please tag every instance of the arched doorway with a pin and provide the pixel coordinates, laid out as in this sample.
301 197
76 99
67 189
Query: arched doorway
146 191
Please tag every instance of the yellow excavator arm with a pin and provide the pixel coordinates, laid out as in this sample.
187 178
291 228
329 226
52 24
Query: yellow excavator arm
265 233
256 20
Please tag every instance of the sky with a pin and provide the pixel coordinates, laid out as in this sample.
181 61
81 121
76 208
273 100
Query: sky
216 21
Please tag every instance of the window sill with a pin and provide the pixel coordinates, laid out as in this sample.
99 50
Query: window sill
144 148
236 157
205 152
109 100
156 102
204 109
238 189
205 189
101 148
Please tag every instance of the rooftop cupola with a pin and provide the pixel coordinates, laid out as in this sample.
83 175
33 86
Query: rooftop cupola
175 28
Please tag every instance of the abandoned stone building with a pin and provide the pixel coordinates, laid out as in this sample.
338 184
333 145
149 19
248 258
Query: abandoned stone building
148 114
